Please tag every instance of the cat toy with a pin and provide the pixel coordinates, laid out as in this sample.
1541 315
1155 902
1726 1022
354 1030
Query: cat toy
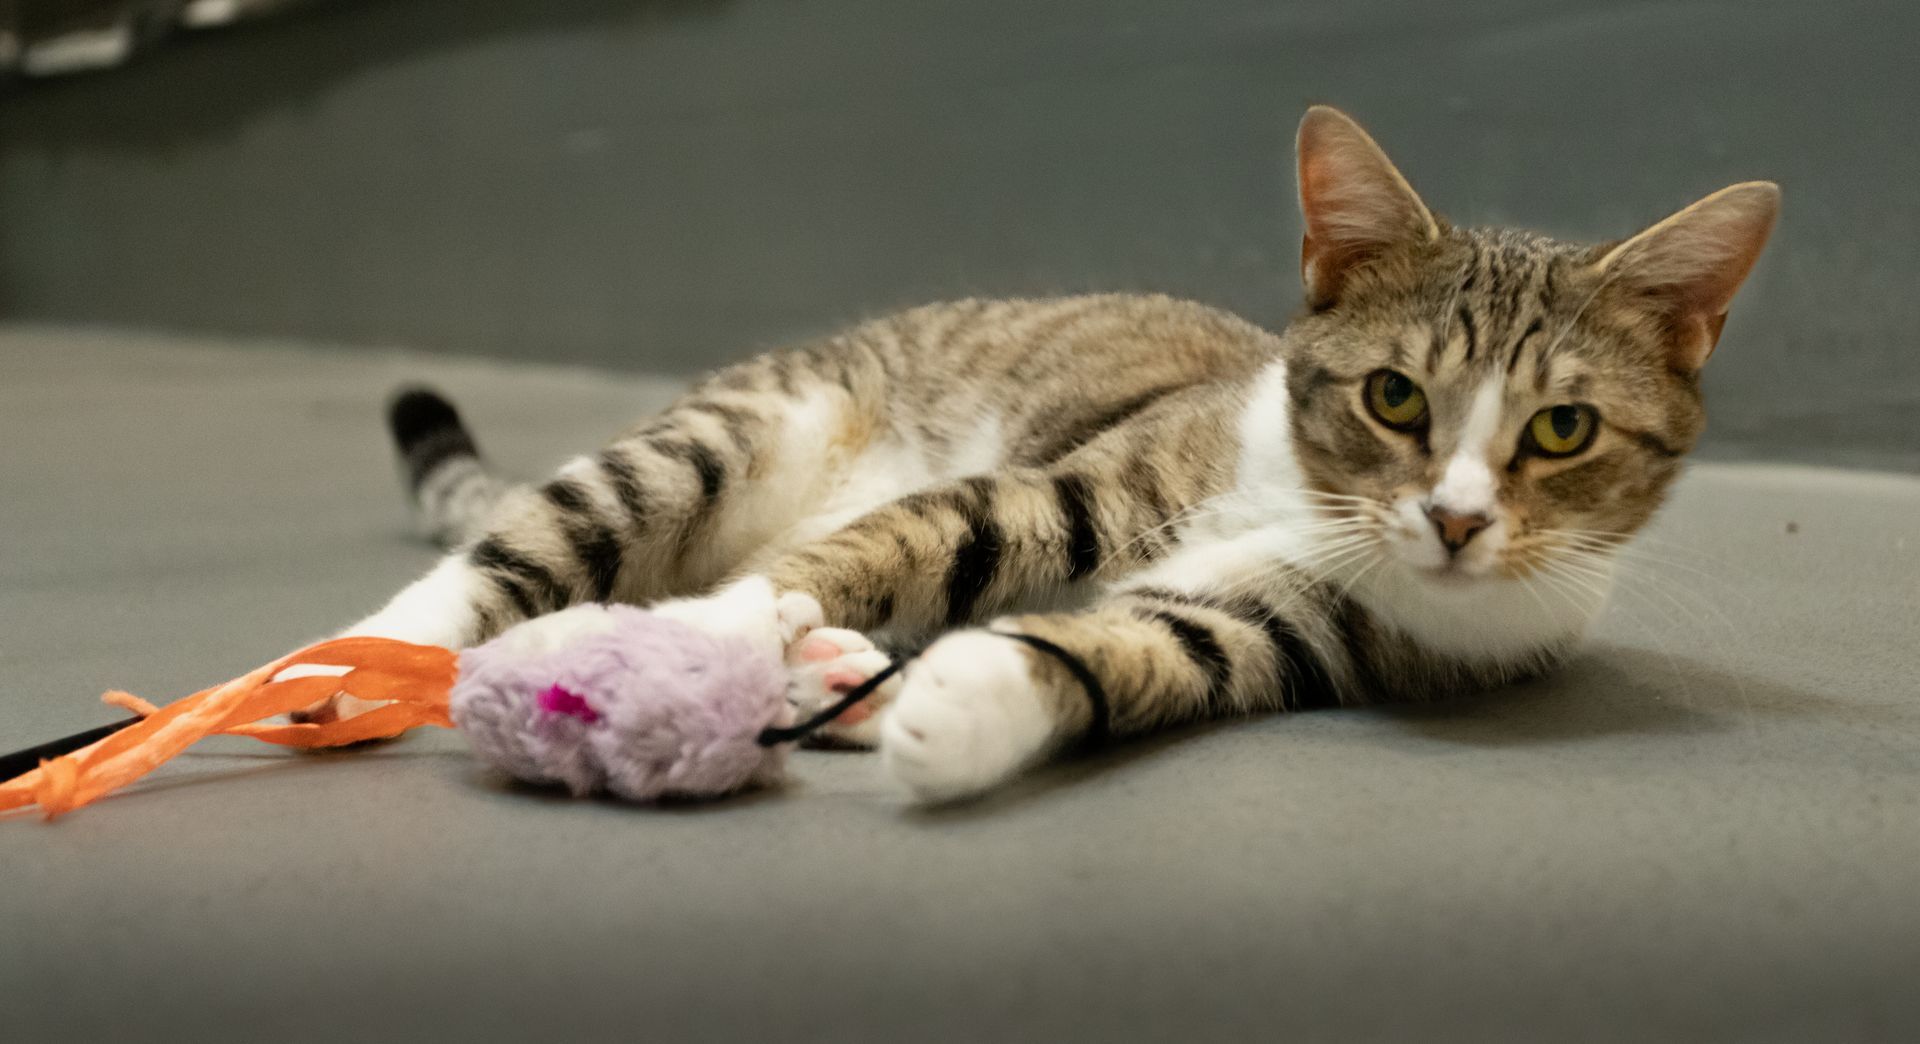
633 704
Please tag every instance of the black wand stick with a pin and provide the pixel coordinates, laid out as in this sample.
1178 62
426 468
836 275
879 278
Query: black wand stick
21 762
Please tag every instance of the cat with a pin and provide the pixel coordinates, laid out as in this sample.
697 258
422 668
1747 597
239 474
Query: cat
1113 514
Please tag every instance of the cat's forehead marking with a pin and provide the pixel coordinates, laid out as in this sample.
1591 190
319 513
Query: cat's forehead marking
1562 376
1467 484
1500 303
1415 337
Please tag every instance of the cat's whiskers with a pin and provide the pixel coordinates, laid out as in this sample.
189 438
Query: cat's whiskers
1640 584
1676 615
1656 634
1224 505
1334 558
1632 555
1328 559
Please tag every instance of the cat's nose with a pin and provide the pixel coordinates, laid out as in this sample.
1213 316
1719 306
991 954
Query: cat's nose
1456 528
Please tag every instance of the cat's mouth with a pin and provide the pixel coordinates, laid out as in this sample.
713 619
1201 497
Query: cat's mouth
1451 574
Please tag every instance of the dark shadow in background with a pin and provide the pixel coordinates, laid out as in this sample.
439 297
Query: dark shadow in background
669 184
205 87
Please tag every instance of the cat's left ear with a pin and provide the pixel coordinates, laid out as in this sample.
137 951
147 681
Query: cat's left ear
1688 267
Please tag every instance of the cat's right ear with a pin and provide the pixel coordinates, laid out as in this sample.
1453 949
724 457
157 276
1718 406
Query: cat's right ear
1353 200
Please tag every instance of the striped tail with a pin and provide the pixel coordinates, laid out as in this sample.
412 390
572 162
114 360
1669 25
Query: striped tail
451 489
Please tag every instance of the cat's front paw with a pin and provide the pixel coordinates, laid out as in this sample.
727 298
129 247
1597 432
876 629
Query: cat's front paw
968 717
748 609
826 665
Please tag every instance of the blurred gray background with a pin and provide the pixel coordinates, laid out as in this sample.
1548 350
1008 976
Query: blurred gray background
663 185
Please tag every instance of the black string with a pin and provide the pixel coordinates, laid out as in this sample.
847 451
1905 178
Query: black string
1102 724
1100 711
772 735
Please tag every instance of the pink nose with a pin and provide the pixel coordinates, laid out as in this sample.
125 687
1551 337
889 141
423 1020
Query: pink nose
1456 529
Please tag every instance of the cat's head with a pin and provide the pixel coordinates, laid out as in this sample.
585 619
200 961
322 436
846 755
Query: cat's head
1492 402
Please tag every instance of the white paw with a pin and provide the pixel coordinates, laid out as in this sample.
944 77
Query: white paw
827 664
968 717
748 609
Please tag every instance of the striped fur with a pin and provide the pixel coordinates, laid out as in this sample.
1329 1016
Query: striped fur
1204 518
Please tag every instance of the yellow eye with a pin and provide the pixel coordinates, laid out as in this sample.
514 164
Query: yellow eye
1561 431
1396 400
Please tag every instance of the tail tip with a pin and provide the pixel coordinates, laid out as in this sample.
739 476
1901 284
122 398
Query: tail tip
416 414
428 433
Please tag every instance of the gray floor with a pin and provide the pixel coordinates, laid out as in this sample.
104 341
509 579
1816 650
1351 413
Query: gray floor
1708 828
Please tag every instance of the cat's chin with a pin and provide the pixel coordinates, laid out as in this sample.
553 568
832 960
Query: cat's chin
1454 577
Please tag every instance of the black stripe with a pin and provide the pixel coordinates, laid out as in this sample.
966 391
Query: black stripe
1168 594
733 418
976 561
517 592
782 365
713 474
1520 345
594 544
1083 541
567 496
1085 430
843 372
625 480
1652 443
1202 648
517 574
599 551
1473 334
1302 676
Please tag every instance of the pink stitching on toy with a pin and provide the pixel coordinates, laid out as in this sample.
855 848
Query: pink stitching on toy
557 700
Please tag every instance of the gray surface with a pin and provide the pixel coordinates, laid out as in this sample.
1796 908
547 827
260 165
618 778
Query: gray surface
1708 828
663 185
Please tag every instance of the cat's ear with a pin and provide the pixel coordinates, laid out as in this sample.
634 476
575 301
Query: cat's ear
1355 203
1687 267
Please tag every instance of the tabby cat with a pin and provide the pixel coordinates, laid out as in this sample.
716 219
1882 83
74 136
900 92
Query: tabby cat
1119 513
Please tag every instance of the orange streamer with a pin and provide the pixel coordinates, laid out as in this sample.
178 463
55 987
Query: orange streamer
416 679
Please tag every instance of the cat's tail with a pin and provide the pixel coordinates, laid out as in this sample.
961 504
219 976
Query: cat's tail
451 488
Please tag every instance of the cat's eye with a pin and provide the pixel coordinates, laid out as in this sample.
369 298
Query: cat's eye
1395 400
1562 431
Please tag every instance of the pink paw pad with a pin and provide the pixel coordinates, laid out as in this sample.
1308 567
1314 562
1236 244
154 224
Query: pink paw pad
818 650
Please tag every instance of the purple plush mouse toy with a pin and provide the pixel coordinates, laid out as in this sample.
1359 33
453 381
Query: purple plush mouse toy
616 699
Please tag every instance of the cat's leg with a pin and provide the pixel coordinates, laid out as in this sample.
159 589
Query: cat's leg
958 552
981 705
668 508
